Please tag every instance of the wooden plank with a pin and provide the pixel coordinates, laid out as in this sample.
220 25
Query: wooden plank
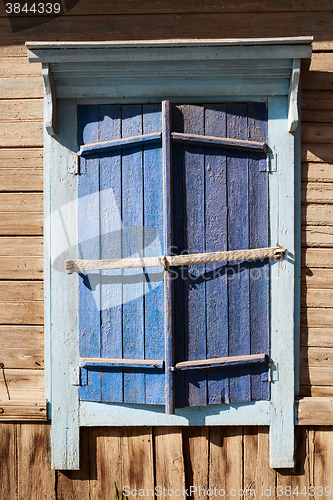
316 391
76 484
194 240
318 257
317 278
258 476
121 363
173 25
125 142
8 461
22 313
315 152
21 133
131 7
317 132
317 236
323 452
317 337
288 484
22 346
196 459
316 375
317 100
21 258
21 110
19 291
322 62
89 221
317 192
153 218
317 80
21 202
25 179
247 359
314 297
226 460
22 385
215 142
216 240
169 459
21 87
21 157
317 214
259 237
23 411
137 459
238 238
110 221
316 356
33 462
133 212
317 317
315 411
317 116
105 462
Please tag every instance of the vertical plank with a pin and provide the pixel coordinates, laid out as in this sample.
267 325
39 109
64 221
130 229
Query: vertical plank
105 447
137 459
226 460
89 248
323 456
33 462
258 238
8 461
292 483
194 235
169 461
196 459
238 238
132 212
167 243
216 241
153 241
75 484
258 475
179 273
111 230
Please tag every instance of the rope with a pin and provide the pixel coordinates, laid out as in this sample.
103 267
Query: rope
75 266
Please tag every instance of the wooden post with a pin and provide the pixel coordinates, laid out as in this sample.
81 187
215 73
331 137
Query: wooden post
167 241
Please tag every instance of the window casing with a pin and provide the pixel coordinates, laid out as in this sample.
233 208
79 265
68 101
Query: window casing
233 73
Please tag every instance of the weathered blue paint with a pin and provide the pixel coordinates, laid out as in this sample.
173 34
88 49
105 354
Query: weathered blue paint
100 363
153 222
259 274
220 141
216 240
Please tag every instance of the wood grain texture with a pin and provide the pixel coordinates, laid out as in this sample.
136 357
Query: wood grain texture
169 458
317 236
8 461
22 385
316 356
314 297
317 132
21 258
23 411
33 454
317 257
22 346
317 337
21 87
22 302
196 453
21 179
317 192
21 133
258 476
20 110
316 152
317 317
318 410
323 452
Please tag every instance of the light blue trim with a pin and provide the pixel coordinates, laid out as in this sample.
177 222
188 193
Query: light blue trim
281 193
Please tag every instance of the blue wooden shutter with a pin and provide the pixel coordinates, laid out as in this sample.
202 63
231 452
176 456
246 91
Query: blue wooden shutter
220 202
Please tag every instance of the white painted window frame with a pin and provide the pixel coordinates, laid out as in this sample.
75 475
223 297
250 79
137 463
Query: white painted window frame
236 70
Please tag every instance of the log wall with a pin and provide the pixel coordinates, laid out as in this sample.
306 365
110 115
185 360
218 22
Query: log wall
230 458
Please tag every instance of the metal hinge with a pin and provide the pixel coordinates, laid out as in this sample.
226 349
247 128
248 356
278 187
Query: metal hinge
272 374
269 163
79 376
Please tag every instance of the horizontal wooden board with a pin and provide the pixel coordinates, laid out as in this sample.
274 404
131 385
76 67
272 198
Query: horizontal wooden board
21 258
317 80
21 109
317 337
316 152
21 202
21 246
317 172
21 179
22 346
322 62
315 411
317 192
23 386
317 317
21 290
21 223
318 257
21 87
317 278
318 391
168 26
317 236
22 313
317 214
318 132
314 297
85 7
21 133
20 68
316 356
21 157
316 375
23 410
317 116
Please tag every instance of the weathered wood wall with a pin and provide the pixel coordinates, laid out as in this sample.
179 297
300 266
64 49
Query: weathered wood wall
230 458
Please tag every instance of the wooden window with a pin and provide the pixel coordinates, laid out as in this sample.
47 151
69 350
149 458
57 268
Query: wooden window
222 199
